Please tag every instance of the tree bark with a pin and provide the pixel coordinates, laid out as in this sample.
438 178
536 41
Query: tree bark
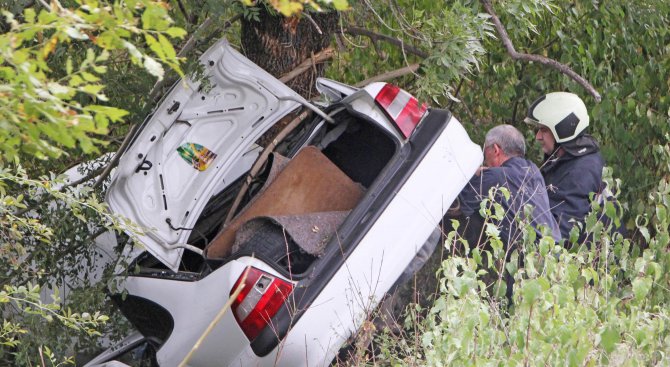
278 44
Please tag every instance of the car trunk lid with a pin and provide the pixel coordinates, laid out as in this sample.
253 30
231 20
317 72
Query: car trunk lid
200 139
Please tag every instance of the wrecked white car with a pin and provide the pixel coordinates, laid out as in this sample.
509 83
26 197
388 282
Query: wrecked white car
272 251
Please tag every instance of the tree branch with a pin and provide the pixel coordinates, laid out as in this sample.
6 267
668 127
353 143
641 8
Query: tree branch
320 57
316 26
182 8
389 75
564 69
44 4
458 90
355 31
44 198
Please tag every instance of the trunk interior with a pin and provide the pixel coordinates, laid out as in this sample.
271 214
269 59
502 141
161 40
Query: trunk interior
305 190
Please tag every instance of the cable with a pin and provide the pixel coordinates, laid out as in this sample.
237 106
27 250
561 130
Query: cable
169 222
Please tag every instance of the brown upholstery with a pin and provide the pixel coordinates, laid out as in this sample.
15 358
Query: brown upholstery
309 183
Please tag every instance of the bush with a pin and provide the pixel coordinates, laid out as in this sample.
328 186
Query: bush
601 302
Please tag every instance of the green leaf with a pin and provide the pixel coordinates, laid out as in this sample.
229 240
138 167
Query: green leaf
505 192
462 286
92 89
587 274
544 246
75 81
609 337
166 46
341 4
155 46
645 233
29 15
531 291
492 231
489 259
661 213
114 114
499 211
564 294
103 56
657 269
89 77
90 56
610 210
641 287
68 66
289 8
477 256
155 17
58 89
176 32
100 69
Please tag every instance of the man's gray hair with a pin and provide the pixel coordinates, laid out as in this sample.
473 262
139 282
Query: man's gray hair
508 138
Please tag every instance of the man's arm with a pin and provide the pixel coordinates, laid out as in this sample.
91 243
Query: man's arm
476 190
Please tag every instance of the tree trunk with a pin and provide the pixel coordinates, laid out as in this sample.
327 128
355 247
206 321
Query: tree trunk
279 44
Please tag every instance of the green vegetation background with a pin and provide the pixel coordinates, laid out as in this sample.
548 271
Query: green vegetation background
75 80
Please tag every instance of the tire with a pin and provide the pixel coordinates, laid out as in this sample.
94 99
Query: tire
270 242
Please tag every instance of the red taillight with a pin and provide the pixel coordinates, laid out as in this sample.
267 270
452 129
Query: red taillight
260 299
386 96
402 107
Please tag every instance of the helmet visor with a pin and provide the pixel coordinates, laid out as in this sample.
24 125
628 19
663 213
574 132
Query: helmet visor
531 121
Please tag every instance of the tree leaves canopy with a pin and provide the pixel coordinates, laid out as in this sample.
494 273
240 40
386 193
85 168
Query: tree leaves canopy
51 66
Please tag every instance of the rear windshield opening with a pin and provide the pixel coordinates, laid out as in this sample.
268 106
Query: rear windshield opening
362 150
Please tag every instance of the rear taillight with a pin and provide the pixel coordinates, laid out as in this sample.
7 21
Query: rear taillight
260 299
402 107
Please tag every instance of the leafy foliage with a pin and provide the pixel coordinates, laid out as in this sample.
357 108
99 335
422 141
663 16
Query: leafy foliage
602 302
621 47
42 112
52 63
448 39
51 246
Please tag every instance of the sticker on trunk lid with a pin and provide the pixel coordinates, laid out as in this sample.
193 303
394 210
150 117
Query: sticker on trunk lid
196 155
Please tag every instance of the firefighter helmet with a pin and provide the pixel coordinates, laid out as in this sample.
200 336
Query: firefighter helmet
563 113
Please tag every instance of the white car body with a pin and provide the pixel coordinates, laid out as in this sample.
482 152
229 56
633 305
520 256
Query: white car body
433 160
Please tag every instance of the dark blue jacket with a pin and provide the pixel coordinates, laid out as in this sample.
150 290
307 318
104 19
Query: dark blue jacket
570 179
523 180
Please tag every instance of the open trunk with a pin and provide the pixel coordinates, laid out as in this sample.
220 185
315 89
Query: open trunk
295 204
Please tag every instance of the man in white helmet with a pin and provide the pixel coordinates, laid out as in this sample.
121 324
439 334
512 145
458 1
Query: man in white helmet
572 167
